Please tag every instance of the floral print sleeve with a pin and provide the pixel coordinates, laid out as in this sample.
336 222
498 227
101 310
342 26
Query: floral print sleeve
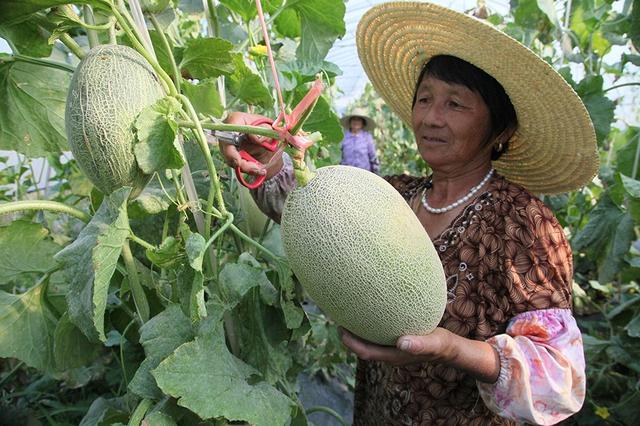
542 373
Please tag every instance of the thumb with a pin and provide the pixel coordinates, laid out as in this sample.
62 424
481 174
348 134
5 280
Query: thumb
410 344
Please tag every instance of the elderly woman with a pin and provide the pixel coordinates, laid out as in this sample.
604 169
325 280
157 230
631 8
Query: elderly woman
358 148
495 123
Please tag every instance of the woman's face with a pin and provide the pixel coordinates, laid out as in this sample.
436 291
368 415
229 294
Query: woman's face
451 124
356 124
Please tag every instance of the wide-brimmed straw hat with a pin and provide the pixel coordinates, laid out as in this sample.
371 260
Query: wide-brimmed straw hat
554 149
369 124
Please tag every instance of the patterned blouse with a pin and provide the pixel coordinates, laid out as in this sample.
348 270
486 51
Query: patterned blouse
509 276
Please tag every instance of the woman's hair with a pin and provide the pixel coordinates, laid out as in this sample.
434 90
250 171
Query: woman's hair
451 69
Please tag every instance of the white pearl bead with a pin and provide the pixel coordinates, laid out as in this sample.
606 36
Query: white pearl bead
458 202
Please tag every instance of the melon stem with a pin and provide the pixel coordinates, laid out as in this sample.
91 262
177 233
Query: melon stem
300 169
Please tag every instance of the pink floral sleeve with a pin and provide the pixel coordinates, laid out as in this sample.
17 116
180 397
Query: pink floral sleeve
542 368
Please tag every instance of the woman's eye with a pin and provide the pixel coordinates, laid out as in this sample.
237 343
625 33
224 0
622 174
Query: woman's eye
455 104
424 99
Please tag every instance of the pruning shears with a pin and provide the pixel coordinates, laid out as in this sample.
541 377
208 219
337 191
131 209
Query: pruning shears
235 139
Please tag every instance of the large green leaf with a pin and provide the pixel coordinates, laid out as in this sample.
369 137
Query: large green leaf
603 220
620 242
207 57
321 23
600 107
32 113
27 37
160 336
288 23
71 348
89 263
208 380
26 328
248 86
17 10
204 97
24 248
237 279
245 8
157 147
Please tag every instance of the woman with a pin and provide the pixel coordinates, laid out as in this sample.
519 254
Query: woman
358 149
495 123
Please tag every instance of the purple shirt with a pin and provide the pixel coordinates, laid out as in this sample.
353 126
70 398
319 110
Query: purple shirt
358 150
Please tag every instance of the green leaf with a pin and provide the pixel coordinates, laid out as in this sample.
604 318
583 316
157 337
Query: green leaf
527 13
634 31
32 113
157 147
204 97
158 418
25 248
633 328
26 328
603 221
167 254
632 186
248 86
549 9
245 8
600 107
151 201
288 24
27 37
208 380
619 246
159 336
105 411
322 120
263 337
161 52
237 279
89 263
207 57
321 23
71 349
194 247
12 11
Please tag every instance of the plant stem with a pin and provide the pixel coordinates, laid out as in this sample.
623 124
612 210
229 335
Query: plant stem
213 19
45 62
166 81
139 412
54 206
620 85
91 34
220 230
11 373
254 243
141 242
215 190
634 170
139 298
254 130
112 34
327 410
174 67
72 45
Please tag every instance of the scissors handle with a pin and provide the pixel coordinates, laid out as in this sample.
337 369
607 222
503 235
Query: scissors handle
259 180
270 145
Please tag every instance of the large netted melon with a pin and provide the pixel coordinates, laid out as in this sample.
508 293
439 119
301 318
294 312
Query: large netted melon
110 87
363 256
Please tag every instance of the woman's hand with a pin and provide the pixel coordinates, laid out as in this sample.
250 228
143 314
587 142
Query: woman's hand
264 156
479 359
436 347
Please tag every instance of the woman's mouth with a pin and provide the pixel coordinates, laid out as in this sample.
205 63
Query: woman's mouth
432 139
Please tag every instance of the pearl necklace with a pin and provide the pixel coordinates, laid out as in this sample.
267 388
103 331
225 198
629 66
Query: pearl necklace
456 203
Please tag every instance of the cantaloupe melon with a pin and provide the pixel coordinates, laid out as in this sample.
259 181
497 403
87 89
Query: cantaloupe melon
110 87
363 256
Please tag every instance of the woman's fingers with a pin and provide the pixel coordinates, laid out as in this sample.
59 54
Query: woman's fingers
370 351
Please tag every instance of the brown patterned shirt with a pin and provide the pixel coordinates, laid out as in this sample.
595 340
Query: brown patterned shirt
503 255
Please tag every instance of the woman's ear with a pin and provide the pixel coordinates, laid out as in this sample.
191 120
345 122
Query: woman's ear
505 136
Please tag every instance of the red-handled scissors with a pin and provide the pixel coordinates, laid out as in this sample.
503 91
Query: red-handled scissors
266 143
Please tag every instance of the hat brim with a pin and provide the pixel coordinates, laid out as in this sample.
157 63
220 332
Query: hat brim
369 124
554 149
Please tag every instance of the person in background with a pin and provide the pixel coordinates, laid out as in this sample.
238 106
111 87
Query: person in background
358 149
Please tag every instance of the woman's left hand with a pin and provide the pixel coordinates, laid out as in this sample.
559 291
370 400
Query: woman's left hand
438 347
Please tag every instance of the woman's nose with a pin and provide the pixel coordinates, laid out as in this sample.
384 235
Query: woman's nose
433 116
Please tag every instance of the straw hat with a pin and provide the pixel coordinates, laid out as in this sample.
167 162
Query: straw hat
369 124
554 149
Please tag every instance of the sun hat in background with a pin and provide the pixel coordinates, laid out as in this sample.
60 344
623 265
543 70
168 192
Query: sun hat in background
554 149
369 124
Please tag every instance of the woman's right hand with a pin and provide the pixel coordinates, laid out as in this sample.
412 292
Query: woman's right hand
250 145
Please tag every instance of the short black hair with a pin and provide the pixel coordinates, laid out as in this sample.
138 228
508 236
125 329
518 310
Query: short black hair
452 69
